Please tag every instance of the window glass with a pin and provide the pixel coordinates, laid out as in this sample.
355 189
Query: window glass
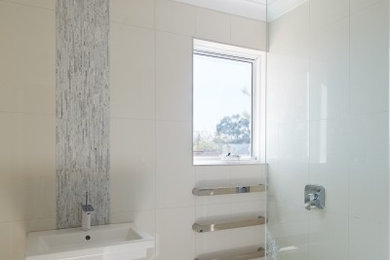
222 107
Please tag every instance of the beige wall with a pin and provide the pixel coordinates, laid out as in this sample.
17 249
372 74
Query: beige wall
151 168
27 122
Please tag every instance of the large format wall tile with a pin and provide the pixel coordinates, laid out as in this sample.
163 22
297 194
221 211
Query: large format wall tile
175 238
175 17
173 76
132 165
248 33
132 90
134 12
27 59
212 25
45 4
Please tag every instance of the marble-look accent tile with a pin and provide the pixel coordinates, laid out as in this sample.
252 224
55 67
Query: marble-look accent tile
82 100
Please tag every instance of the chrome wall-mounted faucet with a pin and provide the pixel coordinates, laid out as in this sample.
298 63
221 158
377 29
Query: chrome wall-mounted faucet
87 211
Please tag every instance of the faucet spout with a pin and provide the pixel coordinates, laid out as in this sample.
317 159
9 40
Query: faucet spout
87 211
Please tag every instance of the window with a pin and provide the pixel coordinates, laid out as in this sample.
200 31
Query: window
227 106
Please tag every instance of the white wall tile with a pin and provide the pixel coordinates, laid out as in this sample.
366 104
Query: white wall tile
372 236
214 241
174 190
175 17
11 150
132 85
38 131
328 237
133 12
327 13
329 70
368 145
369 167
175 175
173 77
46 4
245 173
362 5
372 204
23 98
248 33
214 173
5 240
248 236
12 198
290 34
39 197
18 237
27 62
289 95
174 147
132 164
211 25
175 238
215 210
41 224
369 65
28 45
132 190
329 166
28 174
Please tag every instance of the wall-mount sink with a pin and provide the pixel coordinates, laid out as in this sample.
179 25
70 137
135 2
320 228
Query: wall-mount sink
108 242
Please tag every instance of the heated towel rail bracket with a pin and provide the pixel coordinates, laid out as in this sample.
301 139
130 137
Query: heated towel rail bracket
237 254
228 190
211 225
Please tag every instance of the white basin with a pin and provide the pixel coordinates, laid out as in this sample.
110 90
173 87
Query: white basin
106 242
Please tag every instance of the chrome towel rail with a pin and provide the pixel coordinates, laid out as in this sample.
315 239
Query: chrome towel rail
238 254
227 190
217 224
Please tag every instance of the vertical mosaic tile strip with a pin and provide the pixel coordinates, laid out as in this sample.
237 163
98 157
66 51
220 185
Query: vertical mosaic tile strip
82 110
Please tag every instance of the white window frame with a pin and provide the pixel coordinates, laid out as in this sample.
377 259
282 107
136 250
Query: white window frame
257 58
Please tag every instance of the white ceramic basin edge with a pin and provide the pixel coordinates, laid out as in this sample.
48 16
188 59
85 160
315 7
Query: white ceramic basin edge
108 242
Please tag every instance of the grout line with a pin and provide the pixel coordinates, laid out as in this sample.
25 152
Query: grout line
126 25
132 118
28 113
348 112
308 126
27 5
155 128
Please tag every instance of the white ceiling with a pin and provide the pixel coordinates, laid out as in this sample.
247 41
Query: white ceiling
255 9
277 8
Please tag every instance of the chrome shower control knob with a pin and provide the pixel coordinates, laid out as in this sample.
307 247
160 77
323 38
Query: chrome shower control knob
314 197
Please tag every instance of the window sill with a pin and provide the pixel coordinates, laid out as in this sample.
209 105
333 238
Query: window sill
226 163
